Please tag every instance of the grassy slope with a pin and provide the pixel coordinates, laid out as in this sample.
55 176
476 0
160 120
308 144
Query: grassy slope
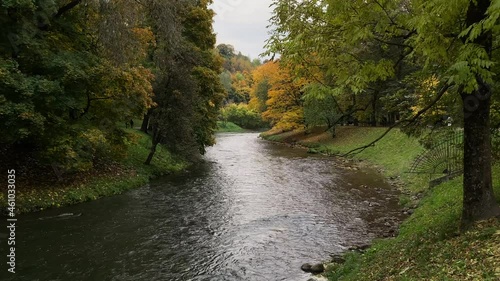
228 127
128 174
429 246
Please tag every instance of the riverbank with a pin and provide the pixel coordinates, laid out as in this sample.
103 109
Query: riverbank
429 245
228 127
117 178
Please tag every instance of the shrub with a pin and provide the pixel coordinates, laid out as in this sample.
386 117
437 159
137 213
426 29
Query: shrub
242 116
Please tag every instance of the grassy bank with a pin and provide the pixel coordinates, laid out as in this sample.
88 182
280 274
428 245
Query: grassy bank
228 127
115 179
429 245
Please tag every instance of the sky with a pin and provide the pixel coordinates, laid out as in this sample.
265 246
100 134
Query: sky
242 23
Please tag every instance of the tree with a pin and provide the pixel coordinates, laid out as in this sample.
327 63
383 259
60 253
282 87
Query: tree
284 102
320 107
242 116
63 93
187 89
368 46
466 61
262 77
226 51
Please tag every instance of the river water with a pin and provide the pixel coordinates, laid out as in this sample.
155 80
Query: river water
252 211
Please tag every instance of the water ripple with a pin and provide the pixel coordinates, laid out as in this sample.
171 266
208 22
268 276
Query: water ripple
251 211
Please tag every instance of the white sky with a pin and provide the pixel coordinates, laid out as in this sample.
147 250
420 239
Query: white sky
242 23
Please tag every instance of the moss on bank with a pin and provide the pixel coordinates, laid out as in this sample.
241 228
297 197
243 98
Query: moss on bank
115 179
429 245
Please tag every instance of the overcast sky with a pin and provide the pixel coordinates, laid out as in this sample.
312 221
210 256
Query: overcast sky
242 23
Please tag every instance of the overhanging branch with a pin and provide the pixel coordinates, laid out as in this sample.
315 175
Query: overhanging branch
406 122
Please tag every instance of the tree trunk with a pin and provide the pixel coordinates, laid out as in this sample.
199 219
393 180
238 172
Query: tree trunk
154 143
374 109
151 154
478 199
145 122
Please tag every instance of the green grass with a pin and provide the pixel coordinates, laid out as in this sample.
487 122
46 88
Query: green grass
393 154
125 175
228 127
429 245
163 162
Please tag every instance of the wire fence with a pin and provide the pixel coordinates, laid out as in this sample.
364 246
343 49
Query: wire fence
444 159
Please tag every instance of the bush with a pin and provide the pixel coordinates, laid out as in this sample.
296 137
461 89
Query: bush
87 149
242 116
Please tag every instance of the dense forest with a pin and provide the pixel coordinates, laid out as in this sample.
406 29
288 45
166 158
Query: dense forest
73 73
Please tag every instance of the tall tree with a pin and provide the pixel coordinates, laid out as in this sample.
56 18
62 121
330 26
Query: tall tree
283 100
188 90
467 31
368 46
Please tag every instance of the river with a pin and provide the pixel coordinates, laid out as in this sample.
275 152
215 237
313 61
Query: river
252 210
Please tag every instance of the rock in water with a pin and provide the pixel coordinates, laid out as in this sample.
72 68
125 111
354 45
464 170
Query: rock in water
306 267
317 268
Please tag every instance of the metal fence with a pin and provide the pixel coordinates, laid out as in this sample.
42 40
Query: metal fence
443 160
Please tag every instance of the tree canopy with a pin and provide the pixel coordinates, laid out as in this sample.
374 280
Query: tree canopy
73 72
415 61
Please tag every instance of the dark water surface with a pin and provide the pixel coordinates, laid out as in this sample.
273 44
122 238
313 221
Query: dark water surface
252 211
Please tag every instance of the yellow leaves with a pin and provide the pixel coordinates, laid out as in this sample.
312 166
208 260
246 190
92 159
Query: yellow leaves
278 93
93 136
145 36
290 120
268 71
426 92
130 88
430 83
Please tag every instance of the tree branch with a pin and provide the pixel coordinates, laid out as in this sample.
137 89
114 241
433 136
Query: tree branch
346 114
89 100
393 43
406 121
66 8
319 81
385 11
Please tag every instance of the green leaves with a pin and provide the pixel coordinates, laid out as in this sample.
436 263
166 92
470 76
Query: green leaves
471 63
57 83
